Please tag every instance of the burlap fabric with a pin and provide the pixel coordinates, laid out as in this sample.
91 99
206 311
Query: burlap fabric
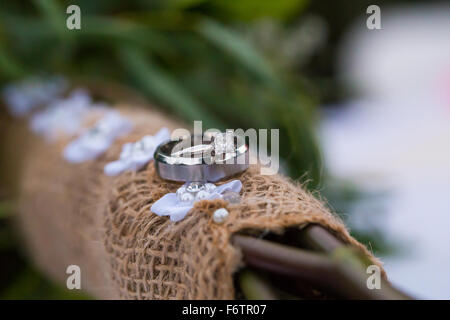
75 215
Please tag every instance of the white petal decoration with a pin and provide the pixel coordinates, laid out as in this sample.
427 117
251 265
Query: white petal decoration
136 155
98 139
21 98
176 205
64 115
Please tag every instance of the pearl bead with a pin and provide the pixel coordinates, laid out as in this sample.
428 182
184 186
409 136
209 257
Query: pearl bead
220 215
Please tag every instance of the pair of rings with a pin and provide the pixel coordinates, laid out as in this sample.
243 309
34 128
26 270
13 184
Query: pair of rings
202 158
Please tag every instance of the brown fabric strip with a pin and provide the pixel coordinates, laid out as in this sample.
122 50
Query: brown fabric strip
75 215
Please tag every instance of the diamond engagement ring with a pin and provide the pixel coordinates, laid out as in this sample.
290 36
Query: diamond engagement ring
206 158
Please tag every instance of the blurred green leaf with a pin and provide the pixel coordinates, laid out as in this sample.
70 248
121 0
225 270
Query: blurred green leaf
7 240
183 4
232 43
55 16
256 9
161 85
124 32
31 285
375 240
6 209
297 138
255 286
11 68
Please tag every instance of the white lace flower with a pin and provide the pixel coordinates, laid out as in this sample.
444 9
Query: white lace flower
177 205
64 115
135 155
24 96
98 139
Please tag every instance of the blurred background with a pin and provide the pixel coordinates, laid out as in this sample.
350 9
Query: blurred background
363 114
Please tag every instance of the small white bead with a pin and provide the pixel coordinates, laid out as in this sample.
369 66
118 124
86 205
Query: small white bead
220 215
187 197
181 190
201 195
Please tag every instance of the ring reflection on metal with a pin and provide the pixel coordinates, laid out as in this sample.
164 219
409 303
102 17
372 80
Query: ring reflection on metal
202 158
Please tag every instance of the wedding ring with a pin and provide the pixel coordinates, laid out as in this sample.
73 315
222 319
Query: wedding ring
206 158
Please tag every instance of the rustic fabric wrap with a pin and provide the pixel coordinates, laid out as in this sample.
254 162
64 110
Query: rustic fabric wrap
76 215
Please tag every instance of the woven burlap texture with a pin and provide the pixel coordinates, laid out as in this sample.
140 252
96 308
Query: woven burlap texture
75 215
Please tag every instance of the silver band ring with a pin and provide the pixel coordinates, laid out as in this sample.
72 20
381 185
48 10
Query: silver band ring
197 158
